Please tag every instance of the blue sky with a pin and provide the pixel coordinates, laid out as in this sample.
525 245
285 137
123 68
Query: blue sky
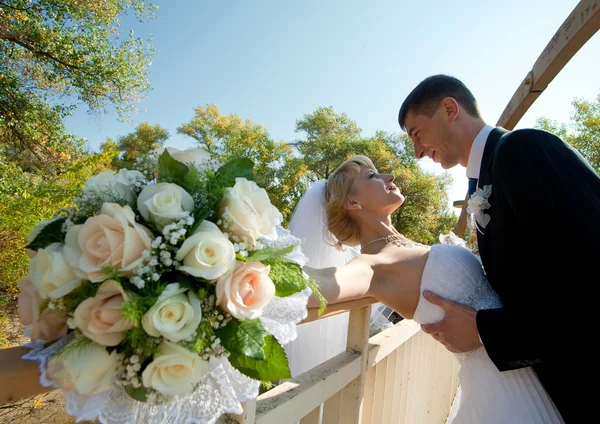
275 61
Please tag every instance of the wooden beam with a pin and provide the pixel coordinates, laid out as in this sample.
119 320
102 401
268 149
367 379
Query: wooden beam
575 31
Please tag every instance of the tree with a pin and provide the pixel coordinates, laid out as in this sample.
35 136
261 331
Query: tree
228 136
56 54
128 148
582 132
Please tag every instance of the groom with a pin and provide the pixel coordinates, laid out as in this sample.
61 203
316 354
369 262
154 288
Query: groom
537 215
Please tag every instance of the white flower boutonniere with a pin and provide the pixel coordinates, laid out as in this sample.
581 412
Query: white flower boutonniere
478 203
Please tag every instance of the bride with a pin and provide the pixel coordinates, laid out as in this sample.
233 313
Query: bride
318 341
396 271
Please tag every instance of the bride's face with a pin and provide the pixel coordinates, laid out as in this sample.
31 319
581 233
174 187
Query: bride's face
376 192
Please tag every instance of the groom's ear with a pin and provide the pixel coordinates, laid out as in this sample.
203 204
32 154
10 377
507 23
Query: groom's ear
451 108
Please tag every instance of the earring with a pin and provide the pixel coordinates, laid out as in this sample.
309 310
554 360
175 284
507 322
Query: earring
358 206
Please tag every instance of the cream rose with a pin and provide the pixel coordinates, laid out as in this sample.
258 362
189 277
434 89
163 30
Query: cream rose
175 315
248 211
100 318
246 291
88 370
207 253
164 203
35 231
112 186
111 240
175 370
51 274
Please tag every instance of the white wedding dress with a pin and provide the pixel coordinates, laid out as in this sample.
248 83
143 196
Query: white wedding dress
485 395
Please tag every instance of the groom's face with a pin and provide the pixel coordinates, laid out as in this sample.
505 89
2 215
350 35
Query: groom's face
431 138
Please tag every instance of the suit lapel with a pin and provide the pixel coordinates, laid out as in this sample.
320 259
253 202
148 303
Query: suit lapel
485 177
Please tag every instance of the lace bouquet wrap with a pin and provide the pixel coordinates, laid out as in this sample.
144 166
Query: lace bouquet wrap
164 295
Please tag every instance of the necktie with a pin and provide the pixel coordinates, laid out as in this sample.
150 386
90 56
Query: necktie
472 186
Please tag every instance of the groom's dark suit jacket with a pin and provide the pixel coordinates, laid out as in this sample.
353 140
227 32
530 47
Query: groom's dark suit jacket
541 253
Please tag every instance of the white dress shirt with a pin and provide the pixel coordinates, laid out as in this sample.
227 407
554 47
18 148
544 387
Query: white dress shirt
476 153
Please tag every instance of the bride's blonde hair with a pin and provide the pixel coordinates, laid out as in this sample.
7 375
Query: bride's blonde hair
342 228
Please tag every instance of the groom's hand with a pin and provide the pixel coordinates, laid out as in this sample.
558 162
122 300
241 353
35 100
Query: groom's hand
458 329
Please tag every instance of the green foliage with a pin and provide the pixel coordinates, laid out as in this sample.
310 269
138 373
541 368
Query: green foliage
287 276
140 393
127 149
314 287
51 233
274 366
245 337
267 253
86 290
582 132
57 52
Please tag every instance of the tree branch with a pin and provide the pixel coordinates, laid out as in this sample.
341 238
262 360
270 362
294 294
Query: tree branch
13 39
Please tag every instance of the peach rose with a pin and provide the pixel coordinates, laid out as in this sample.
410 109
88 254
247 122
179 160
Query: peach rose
246 291
99 318
88 370
50 326
29 301
110 240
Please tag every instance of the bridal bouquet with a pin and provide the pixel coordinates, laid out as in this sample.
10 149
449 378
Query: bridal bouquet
165 293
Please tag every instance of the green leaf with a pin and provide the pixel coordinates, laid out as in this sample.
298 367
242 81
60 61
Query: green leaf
275 366
171 170
245 337
51 233
314 286
236 168
139 394
287 276
263 254
241 258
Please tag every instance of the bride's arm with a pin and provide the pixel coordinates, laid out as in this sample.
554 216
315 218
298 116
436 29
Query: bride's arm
342 284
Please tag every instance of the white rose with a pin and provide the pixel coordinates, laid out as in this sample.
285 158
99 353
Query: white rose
111 240
207 253
87 370
246 291
51 274
175 315
175 370
35 231
248 211
193 155
111 186
164 203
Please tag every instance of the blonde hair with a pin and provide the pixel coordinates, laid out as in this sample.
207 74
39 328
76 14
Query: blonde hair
342 228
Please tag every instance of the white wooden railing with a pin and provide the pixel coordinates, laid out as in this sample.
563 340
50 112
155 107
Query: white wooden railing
400 375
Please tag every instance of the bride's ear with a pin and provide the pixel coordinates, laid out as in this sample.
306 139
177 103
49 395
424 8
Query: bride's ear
352 204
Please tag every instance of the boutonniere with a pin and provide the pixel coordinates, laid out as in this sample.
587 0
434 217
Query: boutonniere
478 203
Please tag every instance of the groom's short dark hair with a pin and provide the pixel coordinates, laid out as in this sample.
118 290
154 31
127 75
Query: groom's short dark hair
425 97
